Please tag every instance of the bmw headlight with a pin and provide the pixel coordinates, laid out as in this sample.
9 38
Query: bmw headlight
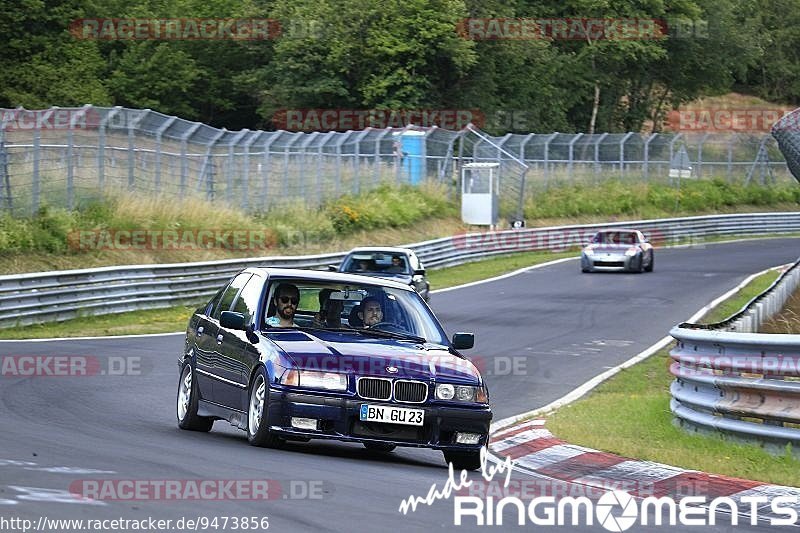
462 393
322 380
630 252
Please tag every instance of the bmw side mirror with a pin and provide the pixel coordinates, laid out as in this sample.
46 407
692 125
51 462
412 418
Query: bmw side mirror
463 341
420 272
231 320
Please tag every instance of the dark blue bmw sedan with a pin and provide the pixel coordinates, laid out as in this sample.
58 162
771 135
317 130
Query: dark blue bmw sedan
297 354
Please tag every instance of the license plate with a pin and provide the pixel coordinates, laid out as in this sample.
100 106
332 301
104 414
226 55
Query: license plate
391 415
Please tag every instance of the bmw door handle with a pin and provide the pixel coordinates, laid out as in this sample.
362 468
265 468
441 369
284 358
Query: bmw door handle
219 338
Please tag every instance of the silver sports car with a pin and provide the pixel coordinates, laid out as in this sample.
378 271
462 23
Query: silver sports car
618 249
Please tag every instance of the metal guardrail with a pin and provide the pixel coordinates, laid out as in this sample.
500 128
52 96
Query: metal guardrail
62 295
743 384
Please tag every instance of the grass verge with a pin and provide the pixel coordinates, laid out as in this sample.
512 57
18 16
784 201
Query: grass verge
629 415
175 318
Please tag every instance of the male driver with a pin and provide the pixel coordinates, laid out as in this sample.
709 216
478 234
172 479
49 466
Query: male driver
287 296
371 312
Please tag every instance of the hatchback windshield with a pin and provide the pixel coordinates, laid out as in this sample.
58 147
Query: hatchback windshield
367 309
376 262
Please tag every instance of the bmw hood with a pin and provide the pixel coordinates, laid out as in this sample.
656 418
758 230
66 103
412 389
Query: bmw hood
354 354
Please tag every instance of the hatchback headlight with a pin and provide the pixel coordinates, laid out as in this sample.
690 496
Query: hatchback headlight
588 251
322 380
630 252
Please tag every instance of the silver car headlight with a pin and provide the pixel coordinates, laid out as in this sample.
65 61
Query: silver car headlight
588 251
462 393
630 252
322 380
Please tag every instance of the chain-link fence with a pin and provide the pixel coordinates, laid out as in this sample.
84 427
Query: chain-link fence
64 156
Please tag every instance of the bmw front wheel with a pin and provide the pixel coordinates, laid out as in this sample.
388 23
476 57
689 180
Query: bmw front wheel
188 397
258 433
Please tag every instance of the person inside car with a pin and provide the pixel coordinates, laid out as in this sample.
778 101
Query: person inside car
330 311
398 265
370 311
287 296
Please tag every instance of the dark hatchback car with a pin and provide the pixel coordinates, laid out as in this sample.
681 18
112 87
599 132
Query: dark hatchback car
297 355
397 264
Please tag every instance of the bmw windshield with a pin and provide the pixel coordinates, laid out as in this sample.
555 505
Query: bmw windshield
367 310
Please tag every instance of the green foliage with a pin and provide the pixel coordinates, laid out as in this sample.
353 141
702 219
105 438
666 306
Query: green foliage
652 200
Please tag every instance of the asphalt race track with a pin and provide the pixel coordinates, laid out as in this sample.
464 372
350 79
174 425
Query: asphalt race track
558 326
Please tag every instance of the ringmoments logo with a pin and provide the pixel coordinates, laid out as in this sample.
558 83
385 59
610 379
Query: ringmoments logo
618 511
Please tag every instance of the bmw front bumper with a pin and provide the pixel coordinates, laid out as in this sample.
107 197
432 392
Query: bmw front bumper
338 419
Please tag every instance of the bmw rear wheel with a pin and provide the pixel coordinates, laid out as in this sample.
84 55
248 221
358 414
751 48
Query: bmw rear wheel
187 402
258 433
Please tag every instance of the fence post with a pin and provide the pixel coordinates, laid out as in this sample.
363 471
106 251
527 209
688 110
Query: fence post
647 155
546 159
700 154
597 155
207 171
265 170
101 148
185 159
5 186
70 170
246 174
310 138
159 133
320 155
296 136
572 154
229 168
622 153
356 166
730 160
132 126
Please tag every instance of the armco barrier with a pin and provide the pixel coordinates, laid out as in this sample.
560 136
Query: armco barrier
744 384
54 296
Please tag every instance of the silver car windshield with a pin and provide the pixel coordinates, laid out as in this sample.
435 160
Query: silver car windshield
366 308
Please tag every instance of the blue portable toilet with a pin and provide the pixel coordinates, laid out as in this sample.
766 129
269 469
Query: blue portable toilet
412 143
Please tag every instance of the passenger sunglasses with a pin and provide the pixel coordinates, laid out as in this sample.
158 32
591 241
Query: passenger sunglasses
287 299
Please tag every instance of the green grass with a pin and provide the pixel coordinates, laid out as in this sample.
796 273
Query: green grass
655 200
737 301
629 415
134 323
